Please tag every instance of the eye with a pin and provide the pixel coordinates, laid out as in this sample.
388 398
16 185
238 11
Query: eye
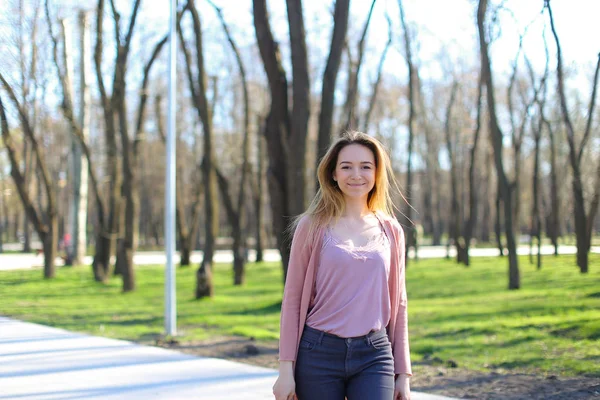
366 166
345 167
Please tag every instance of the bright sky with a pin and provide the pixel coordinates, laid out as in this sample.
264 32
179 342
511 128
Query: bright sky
442 26
445 30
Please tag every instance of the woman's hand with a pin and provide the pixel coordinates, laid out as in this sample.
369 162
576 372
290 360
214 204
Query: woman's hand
402 387
285 385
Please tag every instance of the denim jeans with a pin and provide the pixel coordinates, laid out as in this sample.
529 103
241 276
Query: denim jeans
329 367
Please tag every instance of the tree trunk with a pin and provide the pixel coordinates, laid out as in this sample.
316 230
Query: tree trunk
185 250
554 193
286 133
50 243
575 155
238 215
473 206
204 286
412 78
29 179
126 246
455 213
486 224
80 167
109 225
258 195
338 39
536 222
45 228
102 254
498 222
505 192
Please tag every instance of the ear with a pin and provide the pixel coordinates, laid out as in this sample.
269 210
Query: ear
334 177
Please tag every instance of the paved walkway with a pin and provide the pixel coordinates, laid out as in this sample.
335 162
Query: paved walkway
42 363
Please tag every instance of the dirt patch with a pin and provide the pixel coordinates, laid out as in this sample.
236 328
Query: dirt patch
430 376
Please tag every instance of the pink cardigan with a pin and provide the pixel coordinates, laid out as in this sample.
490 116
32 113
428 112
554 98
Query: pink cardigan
298 293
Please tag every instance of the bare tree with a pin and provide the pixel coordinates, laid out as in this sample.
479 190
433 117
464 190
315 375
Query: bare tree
432 198
496 134
412 78
285 130
540 99
113 107
583 219
237 213
79 127
350 106
198 89
518 129
79 161
473 206
258 195
45 223
28 85
553 217
455 210
338 38
373 98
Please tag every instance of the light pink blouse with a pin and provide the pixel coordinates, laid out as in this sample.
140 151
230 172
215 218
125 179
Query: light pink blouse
351 292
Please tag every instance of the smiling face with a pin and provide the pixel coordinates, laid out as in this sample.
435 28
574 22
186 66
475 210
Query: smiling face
355 171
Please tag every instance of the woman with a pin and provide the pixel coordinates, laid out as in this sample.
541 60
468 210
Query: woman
344 327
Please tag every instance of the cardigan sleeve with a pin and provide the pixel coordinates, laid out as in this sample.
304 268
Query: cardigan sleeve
292 294
401 350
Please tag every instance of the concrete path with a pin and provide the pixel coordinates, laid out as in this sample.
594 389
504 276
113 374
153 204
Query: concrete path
42 363
25 261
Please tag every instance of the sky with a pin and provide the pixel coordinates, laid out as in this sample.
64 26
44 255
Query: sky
441 26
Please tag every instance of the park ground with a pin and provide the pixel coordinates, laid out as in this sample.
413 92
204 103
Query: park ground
470 336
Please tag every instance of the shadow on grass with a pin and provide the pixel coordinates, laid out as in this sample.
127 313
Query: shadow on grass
464 331
519 363
518 311
267 309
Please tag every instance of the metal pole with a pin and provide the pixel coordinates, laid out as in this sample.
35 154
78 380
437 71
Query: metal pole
170 298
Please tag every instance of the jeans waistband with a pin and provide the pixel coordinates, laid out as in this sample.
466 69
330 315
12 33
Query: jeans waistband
320 335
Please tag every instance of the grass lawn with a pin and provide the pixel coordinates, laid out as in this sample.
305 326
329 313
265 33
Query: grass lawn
551 325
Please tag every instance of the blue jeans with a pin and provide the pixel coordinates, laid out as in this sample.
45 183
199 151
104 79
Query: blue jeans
329 367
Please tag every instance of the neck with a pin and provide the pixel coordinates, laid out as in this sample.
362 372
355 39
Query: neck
356 209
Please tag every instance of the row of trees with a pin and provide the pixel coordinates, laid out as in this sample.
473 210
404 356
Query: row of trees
243 134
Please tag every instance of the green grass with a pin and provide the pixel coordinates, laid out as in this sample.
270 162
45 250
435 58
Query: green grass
551 325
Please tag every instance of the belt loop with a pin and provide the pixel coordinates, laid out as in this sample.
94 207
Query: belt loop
321 337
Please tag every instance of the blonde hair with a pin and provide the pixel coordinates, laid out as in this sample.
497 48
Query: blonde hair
328 204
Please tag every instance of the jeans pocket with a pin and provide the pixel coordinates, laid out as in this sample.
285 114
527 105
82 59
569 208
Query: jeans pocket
380 342
306 345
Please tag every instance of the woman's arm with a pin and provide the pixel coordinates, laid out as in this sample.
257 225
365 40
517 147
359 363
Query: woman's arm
294 284
402 364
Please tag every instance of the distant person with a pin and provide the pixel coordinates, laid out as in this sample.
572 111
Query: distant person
344 331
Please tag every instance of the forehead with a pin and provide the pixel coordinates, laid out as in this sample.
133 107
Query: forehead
356 153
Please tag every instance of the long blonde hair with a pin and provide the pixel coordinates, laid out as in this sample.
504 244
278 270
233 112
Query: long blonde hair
328 204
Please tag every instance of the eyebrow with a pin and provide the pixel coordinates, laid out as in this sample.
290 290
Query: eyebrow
362 162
